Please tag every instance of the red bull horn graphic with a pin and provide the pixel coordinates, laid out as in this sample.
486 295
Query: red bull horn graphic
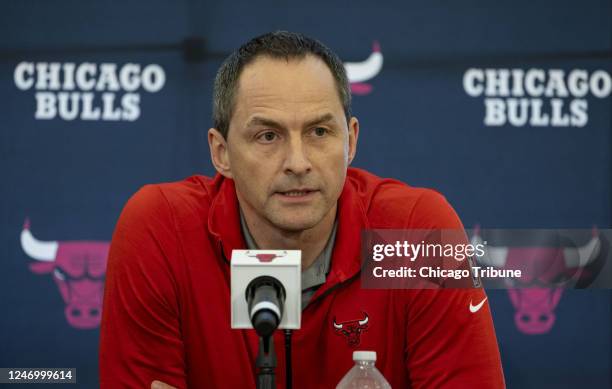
359 72
265 257
78 269
352 329
546 270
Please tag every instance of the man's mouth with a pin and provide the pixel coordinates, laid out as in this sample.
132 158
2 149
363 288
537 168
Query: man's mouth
299 193
296 193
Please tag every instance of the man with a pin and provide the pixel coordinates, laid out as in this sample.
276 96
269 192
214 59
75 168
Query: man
283 139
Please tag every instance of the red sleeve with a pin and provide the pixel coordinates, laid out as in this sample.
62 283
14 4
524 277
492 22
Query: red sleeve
140 337
448 346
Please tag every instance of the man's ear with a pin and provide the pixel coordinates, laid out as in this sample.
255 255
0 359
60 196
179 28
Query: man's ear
353 134
218 152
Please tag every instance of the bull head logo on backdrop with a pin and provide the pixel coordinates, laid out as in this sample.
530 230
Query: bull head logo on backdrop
360 72
546 270
78 269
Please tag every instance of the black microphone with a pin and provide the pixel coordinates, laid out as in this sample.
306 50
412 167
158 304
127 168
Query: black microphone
265 297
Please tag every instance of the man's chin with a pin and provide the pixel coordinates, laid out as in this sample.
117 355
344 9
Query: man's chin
295 223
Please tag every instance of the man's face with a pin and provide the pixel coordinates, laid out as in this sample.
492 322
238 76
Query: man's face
289 144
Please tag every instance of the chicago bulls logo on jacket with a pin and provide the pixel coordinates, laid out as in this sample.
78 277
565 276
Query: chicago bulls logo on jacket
352 329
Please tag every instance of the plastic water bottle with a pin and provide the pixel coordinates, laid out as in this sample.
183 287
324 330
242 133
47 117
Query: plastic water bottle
364 375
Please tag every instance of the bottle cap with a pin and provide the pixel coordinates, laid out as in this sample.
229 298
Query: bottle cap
364 356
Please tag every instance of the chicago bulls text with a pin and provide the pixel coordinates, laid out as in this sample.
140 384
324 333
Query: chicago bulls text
88 91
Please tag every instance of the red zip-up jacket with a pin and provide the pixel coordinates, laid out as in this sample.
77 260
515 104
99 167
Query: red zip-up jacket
166 313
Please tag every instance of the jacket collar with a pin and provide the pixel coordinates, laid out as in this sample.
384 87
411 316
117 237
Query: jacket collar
224 224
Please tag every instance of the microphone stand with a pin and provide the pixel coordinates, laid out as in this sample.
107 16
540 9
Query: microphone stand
266 363
288 367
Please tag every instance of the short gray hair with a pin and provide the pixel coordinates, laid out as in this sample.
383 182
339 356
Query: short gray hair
279 44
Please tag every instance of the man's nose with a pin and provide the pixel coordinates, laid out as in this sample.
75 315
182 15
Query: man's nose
297 160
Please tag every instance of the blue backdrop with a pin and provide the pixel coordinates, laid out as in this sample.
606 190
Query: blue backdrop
67 180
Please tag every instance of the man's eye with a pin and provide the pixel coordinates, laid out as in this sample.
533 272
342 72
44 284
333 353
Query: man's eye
320 131
267 136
